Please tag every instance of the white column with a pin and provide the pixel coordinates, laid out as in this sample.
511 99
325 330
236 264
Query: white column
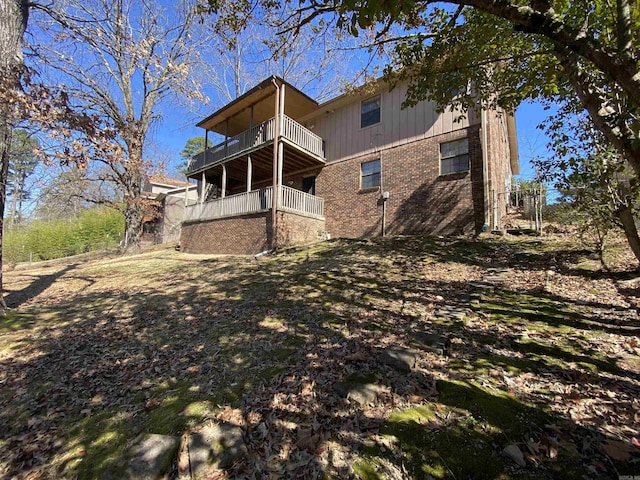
224 182
281 145
280 168
282 112
203 188
226 136
249 172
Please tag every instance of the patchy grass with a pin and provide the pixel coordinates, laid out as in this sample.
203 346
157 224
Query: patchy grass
95 354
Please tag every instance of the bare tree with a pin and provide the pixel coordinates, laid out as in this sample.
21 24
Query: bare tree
119 60
249 48
13 22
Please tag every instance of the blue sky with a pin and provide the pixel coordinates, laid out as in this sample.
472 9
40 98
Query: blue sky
532 142
177 124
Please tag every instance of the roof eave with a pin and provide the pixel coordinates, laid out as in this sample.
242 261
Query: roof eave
248 98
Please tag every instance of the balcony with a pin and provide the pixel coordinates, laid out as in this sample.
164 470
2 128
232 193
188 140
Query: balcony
256 201
256 138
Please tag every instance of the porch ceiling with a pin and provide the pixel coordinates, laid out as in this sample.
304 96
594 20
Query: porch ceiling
262 97
262 165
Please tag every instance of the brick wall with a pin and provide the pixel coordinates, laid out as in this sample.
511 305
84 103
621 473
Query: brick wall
420 200
297 229
499 166
244 235
248 234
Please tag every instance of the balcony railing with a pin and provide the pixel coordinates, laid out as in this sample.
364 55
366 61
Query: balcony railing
256 201
256 137
302 137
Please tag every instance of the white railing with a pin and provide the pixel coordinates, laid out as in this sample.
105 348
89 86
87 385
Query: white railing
301 202
302 137
291 200
234 146
239 204
256 137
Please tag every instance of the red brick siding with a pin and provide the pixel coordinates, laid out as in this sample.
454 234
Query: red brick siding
244 235
499 167
420 200
296 229
248 234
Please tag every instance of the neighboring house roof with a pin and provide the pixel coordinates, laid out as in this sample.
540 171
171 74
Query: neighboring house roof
177 191
168 182
237 112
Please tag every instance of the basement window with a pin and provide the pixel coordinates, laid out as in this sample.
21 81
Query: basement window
454 156
370 174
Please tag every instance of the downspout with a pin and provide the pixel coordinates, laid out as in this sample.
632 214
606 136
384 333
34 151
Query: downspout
281 147
274 192
485 167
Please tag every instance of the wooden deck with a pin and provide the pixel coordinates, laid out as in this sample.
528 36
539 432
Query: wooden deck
291 200
258 137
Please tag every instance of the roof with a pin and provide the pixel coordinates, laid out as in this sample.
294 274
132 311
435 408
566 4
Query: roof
169 182
261 97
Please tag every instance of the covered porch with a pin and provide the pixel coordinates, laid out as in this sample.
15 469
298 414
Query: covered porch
265 163
291 200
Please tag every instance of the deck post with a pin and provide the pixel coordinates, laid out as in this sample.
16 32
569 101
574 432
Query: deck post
280 168
203 188
226 137
280 146
224 182
281 106
276 141
249 173
206 145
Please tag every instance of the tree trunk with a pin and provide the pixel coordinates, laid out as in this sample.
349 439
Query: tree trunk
14 202
134 211
13 22
133 217
625 215
5 146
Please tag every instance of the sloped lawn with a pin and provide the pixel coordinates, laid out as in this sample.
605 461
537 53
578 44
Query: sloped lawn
541 378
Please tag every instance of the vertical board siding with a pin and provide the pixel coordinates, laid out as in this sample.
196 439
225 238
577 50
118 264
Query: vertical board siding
340 128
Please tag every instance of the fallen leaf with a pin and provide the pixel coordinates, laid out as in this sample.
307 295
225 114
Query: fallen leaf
618 450
152 403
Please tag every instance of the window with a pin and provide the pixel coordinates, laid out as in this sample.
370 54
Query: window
454 156
370 112
370 174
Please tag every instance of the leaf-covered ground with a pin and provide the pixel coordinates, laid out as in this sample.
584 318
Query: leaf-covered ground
542 379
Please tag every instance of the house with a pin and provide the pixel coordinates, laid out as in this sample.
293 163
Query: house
161 224
355 166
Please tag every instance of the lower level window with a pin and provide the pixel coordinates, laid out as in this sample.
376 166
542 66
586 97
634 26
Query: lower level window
454 156
370 174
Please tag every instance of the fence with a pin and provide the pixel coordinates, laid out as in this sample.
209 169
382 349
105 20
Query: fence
24 254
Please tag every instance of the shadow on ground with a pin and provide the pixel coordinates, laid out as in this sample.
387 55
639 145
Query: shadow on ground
162 343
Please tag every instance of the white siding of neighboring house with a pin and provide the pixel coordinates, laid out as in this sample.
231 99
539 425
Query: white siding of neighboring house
340 127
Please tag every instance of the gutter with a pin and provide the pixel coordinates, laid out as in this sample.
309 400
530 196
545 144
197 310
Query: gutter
485 166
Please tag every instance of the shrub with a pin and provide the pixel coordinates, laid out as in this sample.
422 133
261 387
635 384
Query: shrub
93 229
